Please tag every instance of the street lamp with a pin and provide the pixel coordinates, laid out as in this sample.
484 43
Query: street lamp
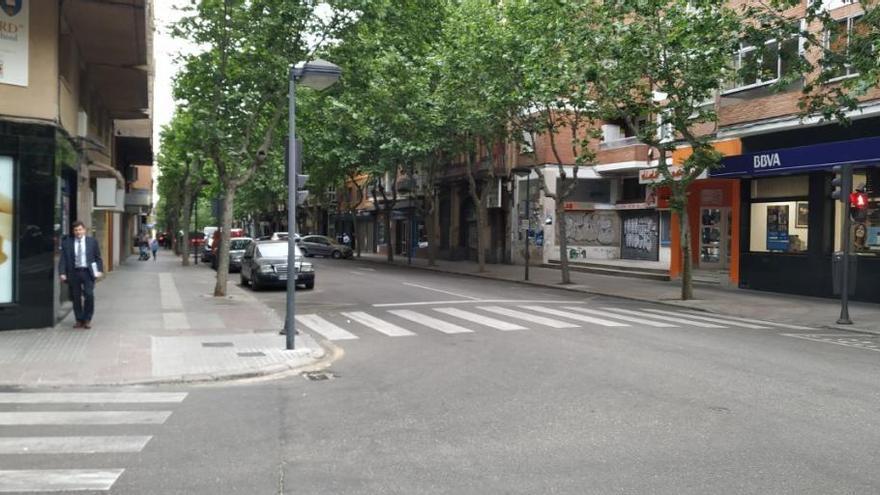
319 75
527 171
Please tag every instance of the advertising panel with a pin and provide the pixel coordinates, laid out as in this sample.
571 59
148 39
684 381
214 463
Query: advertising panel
7 200
14 36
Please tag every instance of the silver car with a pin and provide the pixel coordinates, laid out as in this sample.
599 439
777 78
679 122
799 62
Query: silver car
320 245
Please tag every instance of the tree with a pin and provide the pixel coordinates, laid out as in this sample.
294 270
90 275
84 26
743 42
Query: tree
237 87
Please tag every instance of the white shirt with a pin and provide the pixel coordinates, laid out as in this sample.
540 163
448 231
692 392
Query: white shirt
80 248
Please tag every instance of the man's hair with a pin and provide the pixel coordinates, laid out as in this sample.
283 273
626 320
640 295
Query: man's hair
78 223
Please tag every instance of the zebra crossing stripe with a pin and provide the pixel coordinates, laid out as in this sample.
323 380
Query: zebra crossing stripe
666 318
83 418
529 317
328 330
477 318
576 316
759 322
723 321
57 480
90 398
631 319
429 321
73 445
378 325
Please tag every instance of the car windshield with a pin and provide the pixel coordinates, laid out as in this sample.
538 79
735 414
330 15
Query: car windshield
239 244
276 250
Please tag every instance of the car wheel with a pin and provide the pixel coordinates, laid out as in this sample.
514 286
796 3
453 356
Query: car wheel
305 253
336 255
255 285
310 285
243 281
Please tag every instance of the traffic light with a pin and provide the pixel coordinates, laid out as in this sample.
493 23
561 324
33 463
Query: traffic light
839 184
858 206
301 179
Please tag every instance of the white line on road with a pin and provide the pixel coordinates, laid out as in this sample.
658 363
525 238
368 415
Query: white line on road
429 321
631 319
378 325
532 318
477 318
666 318
759 322
328 330
479 301
168 292
83 417
441 290
576 316
73 445
723 321
57 480
91 397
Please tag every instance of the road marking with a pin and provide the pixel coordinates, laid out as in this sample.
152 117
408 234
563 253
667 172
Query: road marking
576 316
482 320
836 339
749 320
429 321
666 318
83 417
723 321
73 445
325 328
631 319
57 480
91 397
378 325
441 290
367 269
175 321
168 292
478 301
550 322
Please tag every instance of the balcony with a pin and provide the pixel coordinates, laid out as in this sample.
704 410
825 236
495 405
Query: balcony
622 151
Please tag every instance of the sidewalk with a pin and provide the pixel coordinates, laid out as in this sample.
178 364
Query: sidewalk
156 322
770 306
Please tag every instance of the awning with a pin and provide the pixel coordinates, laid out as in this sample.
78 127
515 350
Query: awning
800 159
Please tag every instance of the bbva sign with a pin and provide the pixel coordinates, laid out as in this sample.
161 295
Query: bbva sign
768 160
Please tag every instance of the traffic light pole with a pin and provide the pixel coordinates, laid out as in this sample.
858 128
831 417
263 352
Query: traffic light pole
289 319
846 188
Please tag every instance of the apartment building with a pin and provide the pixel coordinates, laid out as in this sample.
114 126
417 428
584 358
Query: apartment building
75 98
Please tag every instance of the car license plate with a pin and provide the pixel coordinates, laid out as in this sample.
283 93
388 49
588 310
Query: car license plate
282 277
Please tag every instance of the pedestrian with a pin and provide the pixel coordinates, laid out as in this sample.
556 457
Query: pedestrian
80 265
154 247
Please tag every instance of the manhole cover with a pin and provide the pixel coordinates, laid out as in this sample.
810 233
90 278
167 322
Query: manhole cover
216 344
251 354
317 376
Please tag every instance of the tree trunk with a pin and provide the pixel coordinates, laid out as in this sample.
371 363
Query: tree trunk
223 251
687 284
563 241
389 243
482 231
186 216
433 224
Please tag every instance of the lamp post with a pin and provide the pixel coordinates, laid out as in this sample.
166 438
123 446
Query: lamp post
528 174
319 75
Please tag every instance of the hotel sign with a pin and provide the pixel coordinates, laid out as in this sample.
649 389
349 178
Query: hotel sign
14 27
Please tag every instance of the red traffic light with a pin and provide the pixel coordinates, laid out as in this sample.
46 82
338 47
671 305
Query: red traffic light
858 200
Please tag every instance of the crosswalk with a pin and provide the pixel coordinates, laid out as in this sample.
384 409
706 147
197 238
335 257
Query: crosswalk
74 413
475 316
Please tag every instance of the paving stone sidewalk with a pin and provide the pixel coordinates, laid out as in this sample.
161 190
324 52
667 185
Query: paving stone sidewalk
783 308
156 322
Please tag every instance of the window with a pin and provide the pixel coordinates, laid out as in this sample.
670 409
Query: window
780 215
864 235
761 66
841 44
665 230
589 191
631 191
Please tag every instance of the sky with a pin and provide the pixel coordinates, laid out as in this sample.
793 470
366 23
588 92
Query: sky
165 49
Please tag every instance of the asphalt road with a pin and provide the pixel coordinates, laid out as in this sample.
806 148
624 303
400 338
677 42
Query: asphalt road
659 404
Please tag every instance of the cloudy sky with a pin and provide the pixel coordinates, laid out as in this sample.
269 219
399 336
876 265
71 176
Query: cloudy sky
165 49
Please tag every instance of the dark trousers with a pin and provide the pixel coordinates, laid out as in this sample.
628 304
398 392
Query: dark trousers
82 291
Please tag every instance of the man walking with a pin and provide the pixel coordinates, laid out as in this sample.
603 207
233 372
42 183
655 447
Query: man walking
80 266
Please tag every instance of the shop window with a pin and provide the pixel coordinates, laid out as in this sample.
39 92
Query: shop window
780 213
665 228
632 191
864 235
590 191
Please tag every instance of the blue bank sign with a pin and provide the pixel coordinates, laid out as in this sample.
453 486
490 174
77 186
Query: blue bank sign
800 159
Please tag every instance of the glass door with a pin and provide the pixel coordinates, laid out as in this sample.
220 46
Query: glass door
714 238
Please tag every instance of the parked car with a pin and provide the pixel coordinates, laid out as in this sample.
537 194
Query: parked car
196 240
264 264
215 240
320 245
237 247
282 236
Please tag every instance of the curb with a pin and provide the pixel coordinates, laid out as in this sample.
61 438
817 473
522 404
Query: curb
596 293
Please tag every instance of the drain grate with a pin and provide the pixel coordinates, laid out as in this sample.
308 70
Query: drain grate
252 354
216 344
317 376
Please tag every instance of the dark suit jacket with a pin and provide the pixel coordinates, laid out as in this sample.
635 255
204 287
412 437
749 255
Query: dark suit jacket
67 263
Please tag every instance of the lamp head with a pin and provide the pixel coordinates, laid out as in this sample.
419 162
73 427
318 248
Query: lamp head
317 74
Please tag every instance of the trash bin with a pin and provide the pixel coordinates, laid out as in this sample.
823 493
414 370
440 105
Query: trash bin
837 272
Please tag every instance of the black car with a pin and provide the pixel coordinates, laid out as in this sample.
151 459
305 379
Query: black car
264 264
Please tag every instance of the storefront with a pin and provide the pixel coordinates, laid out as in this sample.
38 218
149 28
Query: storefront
789 224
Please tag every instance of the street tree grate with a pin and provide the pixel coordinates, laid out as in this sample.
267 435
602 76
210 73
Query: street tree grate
217 344
252 354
